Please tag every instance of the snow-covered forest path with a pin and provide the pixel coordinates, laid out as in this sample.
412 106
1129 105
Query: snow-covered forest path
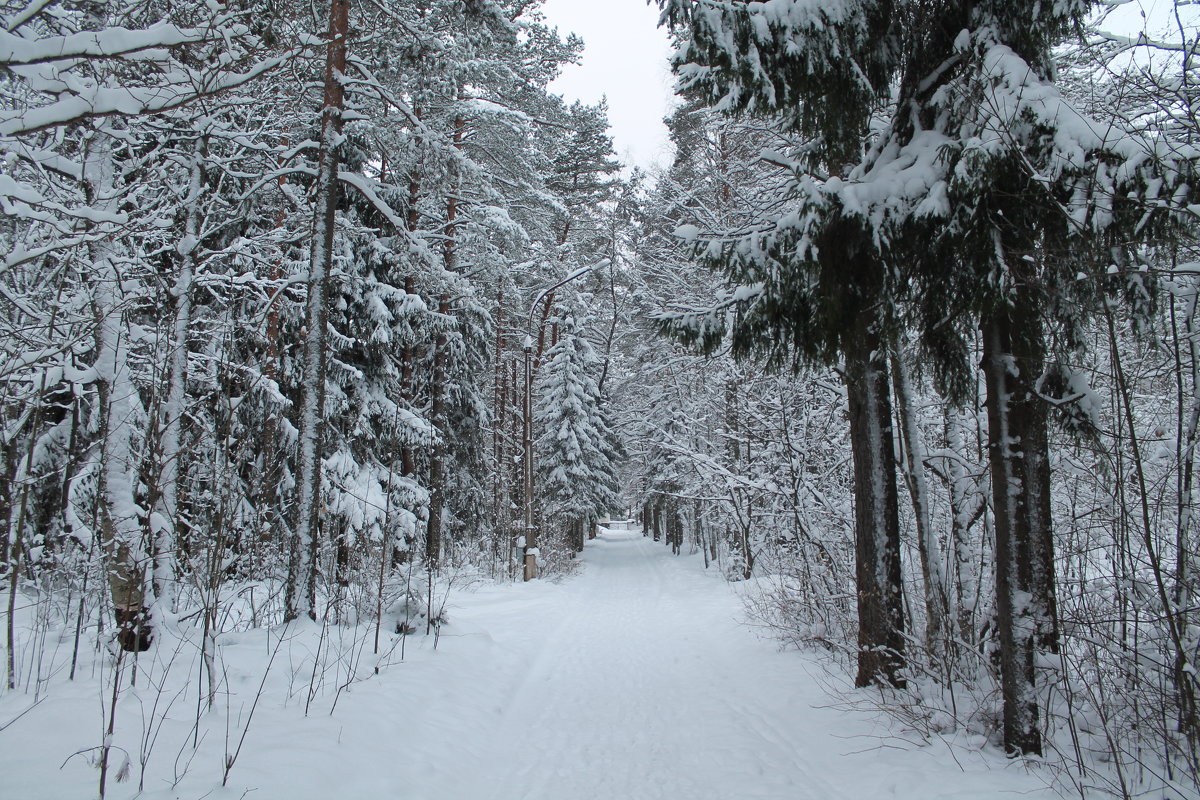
634 689
636 679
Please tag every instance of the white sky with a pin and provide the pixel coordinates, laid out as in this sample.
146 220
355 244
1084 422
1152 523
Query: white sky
625 60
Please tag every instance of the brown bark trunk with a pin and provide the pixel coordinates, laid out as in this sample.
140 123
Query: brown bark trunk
450 255
530 532
499 409
437 460
876 510
306 540
407 467
1013 361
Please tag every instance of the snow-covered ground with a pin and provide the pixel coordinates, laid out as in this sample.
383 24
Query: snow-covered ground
634 679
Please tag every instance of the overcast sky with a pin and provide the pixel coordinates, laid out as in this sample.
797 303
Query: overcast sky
625 60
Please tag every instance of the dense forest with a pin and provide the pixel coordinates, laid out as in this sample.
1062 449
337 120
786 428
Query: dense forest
311 313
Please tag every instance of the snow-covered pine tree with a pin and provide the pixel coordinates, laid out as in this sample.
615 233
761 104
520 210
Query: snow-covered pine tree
577 452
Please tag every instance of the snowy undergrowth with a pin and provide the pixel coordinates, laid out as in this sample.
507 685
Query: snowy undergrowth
190 715
1091 749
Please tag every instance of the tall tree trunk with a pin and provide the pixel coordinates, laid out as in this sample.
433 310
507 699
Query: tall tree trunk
516 467
966 506
530 532
407 393
876 510
407 467
936 599
305 539
499 420
1013 361
437 458
120 530
165 522
449 251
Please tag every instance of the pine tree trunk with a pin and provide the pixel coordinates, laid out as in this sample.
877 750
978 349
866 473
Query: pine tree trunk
407 462
499 413
876 510
530 532
437 459
1013 361
306 539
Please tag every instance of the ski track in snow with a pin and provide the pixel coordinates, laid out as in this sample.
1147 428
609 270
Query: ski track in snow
632 677
634 680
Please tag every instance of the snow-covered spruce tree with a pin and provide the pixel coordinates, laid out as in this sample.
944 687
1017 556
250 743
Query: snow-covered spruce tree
1023 196
992 195
577 452
369 498
810 285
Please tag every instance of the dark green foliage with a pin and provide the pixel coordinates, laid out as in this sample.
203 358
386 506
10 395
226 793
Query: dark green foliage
820 72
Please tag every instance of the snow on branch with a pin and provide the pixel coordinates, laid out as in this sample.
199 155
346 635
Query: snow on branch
101 101
149 43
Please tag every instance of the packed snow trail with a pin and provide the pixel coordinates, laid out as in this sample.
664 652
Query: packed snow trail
636 680
635 692
633 680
